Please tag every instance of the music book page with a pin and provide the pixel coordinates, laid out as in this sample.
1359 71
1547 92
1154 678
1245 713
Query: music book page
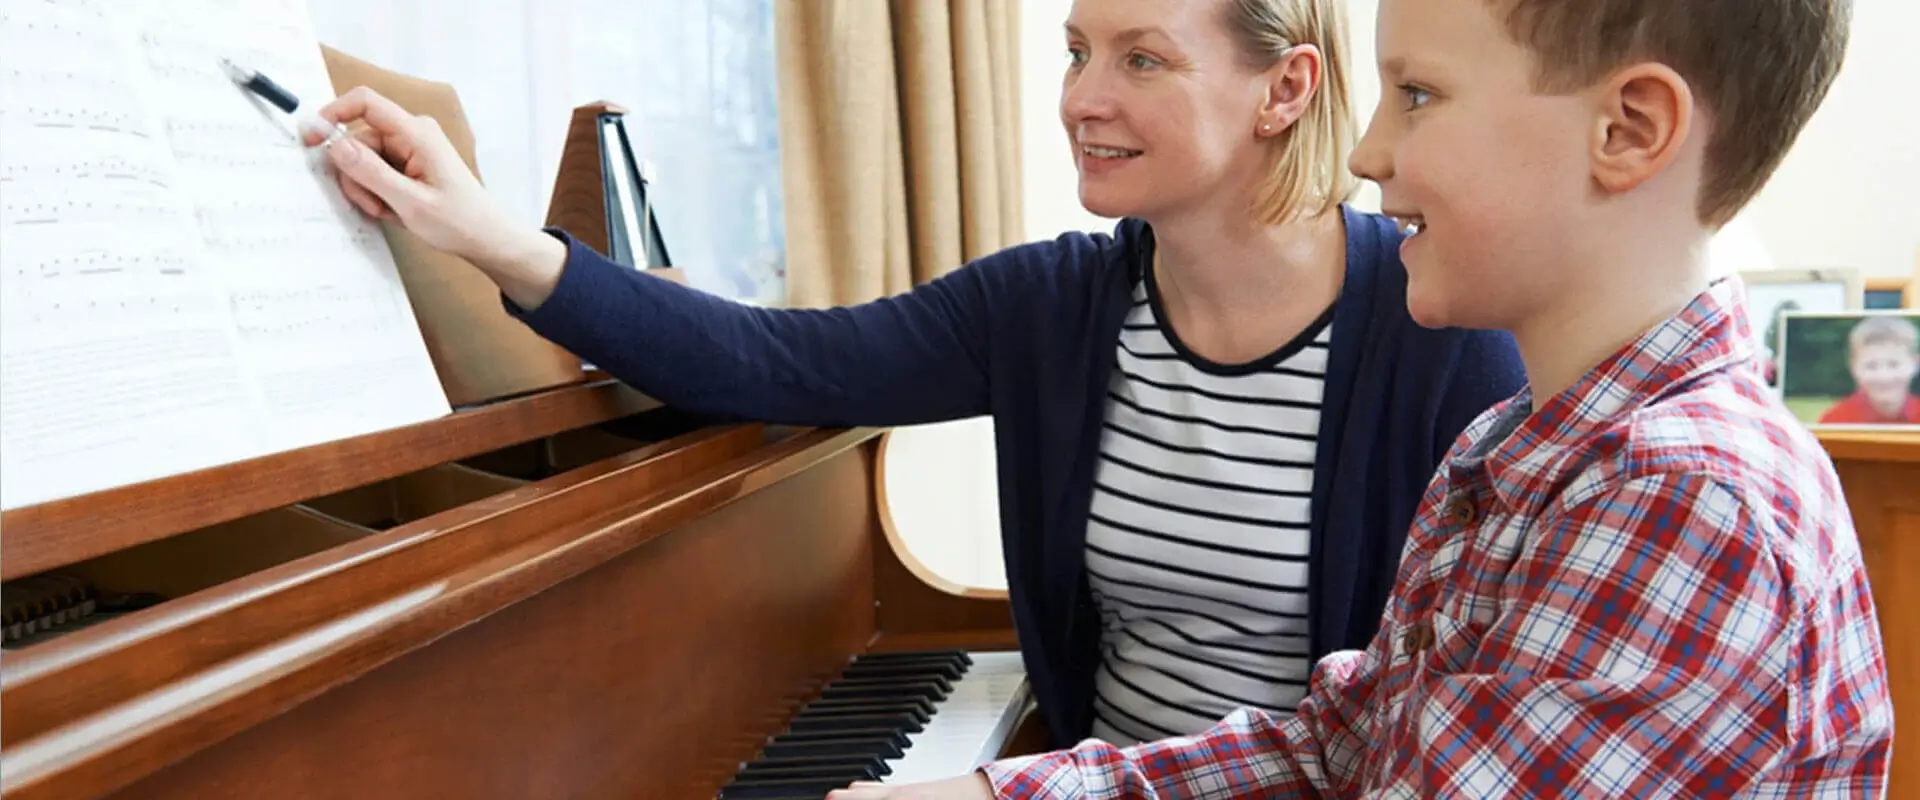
182 284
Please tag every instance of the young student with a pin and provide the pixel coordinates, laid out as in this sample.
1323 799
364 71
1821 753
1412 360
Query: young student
1638 577
1883 352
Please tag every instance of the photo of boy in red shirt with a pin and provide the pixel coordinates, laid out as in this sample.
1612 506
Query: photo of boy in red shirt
1883 353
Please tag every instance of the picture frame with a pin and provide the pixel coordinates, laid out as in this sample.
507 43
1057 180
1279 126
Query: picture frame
1888 293
1852 370
1773 292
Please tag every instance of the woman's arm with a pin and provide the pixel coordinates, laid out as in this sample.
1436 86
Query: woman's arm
917 357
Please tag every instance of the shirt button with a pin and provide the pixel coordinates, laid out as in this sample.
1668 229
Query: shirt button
1417 637
1462 512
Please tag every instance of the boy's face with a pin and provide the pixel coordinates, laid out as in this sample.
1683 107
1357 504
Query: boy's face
1494 173
1884 372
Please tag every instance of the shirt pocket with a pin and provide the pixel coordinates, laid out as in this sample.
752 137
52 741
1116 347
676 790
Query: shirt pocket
1457 634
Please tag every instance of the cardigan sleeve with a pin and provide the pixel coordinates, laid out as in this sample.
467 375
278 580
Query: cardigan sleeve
920 356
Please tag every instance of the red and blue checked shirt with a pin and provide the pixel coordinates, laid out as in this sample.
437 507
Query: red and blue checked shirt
1647 587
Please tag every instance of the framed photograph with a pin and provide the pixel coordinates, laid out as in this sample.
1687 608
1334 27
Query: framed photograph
1887 293
1771 293
1852 370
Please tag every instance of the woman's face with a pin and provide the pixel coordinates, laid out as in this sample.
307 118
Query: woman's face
1162 111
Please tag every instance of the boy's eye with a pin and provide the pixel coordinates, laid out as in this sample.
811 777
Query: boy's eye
1416 96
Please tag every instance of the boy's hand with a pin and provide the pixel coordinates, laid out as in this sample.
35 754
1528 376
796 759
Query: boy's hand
972 786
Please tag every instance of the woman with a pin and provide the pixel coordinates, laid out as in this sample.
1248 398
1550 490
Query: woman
1213 425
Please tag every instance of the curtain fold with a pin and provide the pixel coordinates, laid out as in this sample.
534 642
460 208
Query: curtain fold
900 142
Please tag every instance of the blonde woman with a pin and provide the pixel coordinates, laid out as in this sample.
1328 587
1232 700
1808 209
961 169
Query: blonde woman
1214 422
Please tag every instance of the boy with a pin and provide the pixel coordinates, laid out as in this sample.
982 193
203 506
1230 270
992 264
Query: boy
1638 578
1883 352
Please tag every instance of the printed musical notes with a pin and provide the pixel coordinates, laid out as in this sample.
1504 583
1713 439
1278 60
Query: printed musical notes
184 286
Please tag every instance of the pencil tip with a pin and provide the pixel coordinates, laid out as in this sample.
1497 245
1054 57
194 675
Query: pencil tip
234 71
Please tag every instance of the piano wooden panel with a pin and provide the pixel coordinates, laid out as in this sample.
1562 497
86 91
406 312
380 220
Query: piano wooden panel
1880 473
63 532
633 626
653 674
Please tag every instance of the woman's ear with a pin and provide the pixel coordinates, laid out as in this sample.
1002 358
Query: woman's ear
1290 85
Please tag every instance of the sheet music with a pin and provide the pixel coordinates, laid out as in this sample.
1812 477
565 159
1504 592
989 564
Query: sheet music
184 285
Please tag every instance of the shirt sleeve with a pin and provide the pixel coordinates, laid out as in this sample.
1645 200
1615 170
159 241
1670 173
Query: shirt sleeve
1640 645
1249 754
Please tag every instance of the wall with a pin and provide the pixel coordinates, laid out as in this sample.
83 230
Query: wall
696 79
1844 197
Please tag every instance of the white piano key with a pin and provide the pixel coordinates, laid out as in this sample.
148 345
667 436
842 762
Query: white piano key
971 725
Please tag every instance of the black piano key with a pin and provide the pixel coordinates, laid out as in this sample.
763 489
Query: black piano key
930 691
832 722
882 747
872 763
944 669
895 735
923 705
956 656
914 710
844 771
848 771
893 680
755 789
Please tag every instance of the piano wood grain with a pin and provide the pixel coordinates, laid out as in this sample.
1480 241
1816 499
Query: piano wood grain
68 531
104 707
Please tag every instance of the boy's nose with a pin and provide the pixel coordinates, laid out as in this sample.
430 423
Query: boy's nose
1371 159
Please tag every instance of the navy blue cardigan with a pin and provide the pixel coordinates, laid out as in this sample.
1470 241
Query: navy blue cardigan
1028 335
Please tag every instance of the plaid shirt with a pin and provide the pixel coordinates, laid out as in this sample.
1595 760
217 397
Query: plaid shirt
1647 587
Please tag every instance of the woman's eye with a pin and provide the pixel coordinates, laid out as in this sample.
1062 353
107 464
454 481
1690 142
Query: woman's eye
1076 56
1142 61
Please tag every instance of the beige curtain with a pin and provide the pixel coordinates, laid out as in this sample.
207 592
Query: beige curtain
900 140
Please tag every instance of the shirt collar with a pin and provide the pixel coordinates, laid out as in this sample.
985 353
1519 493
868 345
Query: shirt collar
1527 451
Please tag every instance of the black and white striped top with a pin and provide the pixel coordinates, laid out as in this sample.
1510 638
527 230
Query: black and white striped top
1197 547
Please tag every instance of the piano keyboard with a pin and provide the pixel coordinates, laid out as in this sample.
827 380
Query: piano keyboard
894 718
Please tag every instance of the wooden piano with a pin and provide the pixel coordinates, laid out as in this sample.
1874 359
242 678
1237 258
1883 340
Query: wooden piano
570 593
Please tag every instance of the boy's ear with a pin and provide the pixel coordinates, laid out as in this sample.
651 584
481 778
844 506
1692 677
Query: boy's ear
1646 114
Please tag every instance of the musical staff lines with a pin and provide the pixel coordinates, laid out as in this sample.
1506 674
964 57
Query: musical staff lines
183 283
109 168
103 261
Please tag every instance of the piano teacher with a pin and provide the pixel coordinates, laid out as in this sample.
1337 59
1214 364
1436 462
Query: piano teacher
1213 422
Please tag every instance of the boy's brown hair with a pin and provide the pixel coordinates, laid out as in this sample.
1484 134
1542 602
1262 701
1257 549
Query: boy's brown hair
1759 67
1888 329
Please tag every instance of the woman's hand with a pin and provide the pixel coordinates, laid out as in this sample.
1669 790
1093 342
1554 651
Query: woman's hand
400 167
973 786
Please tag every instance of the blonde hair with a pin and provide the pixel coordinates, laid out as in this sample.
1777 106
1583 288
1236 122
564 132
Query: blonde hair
1308 175
1883 330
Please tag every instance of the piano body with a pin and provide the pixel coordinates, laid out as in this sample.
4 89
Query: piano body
568 593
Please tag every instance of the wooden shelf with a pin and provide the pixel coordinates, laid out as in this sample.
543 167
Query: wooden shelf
1902 446
53 534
